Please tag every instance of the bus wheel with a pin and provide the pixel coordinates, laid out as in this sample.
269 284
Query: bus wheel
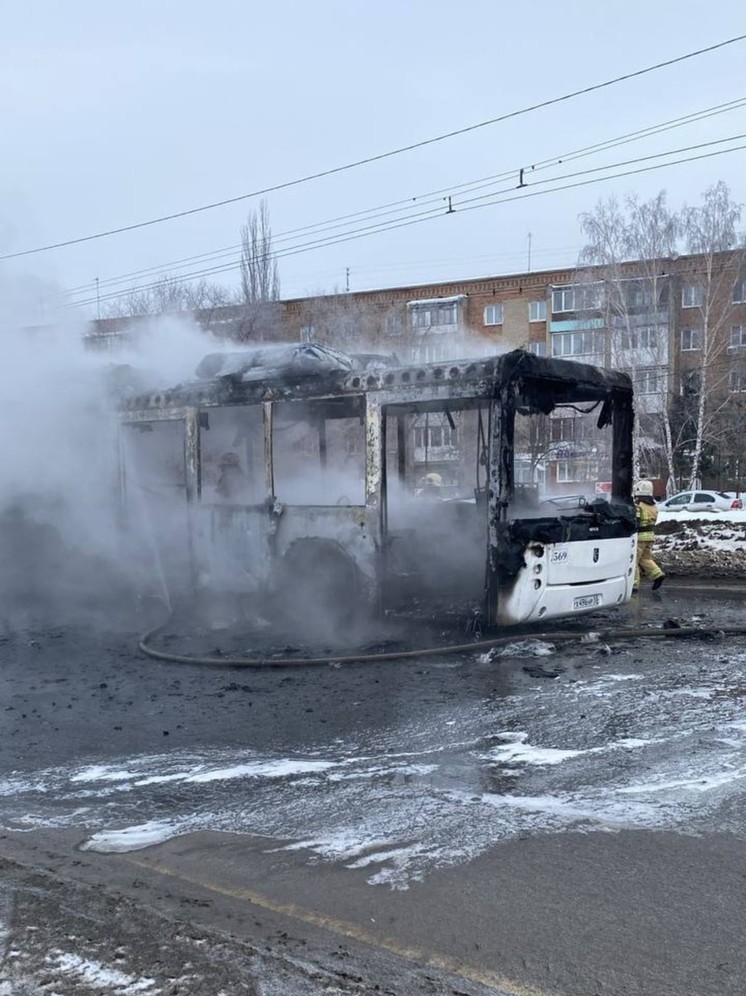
318 592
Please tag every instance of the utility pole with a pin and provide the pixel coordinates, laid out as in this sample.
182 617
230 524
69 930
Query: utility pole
529 252
98 301
347 280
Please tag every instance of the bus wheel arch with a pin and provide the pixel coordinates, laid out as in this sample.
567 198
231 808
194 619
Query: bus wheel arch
317 588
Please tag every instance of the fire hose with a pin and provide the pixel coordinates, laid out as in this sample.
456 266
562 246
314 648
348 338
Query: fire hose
596 636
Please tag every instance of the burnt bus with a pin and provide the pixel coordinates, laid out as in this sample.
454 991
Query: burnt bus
316 482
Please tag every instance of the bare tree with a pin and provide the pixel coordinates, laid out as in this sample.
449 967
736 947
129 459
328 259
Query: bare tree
260 278
258 317
629 244
710 233
169 294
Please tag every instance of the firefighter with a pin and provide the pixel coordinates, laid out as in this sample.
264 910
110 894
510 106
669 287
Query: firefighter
647 515
432 486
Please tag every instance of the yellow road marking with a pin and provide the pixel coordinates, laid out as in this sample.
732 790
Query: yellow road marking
421 956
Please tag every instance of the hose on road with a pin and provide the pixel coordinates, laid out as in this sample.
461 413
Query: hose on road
591 637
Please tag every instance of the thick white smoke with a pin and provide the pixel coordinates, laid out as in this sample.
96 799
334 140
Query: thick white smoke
61 549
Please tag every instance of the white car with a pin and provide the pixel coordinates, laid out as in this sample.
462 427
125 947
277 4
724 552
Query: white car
701 501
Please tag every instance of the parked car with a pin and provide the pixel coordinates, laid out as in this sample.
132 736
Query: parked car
701 501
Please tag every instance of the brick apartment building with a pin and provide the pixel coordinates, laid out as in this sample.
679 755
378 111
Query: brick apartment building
673 327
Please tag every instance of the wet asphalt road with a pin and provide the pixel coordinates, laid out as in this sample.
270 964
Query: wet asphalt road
571 822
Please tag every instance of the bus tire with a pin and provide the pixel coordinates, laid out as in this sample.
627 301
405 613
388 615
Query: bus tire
318 591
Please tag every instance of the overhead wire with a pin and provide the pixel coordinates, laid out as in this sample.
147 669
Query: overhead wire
405 223
499 197
427 197
450 260
380 156
627 162
418 268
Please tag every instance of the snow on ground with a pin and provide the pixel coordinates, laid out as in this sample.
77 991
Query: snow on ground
100 977
737 515
661 748
709 542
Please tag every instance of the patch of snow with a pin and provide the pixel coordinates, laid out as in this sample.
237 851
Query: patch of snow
102 773
737 515
267 769
521 648
136 838
93 973
518 750
695 782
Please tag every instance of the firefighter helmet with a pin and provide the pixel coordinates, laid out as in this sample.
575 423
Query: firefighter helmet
644 489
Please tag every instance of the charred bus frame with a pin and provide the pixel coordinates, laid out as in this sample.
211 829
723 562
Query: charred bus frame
523 574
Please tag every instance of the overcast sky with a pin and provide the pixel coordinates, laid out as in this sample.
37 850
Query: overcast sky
112 114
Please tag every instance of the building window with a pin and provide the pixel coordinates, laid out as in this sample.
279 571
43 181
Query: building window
576 298
691 381
537 311
739 291
647 381
738 336
692 296
493 314
394 324
429 352
524 471
639 296
307 333
691 339
570 471
737 380
644 337
431 314
578 344
538 348
566 430
563 299
435 436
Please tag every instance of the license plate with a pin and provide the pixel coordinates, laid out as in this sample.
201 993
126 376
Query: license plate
586 602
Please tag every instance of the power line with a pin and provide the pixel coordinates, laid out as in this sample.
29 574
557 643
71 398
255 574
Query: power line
584 183
422 199
627 162
422 267
380 156
429 215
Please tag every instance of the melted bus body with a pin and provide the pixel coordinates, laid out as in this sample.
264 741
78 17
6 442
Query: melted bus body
316 482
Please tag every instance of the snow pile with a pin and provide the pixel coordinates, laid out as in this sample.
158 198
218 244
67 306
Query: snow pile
521 648
737 515
702 542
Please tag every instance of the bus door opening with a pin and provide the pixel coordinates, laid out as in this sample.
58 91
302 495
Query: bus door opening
435 507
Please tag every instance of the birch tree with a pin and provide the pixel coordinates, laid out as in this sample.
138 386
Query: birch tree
710 232
629 243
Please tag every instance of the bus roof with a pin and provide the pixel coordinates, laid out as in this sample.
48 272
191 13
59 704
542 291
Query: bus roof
308 370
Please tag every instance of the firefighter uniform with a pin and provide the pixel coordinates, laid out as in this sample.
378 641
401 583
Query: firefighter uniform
647 516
